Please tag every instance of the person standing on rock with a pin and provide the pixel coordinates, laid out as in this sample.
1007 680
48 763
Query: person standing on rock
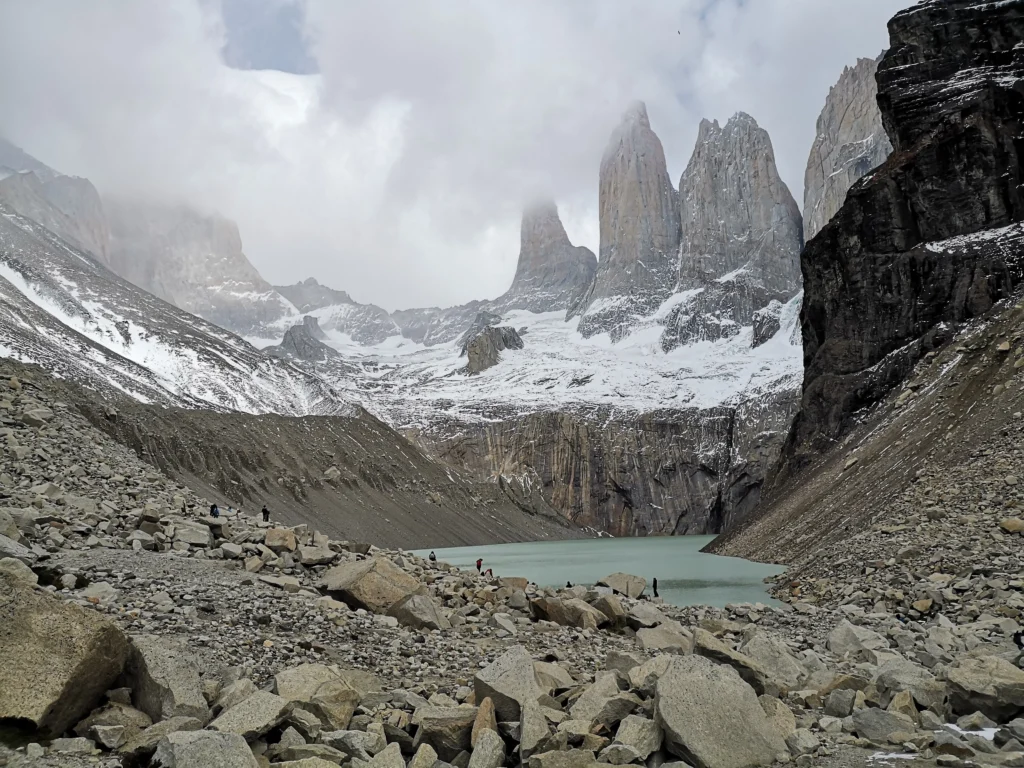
432 557
214 511
479 564
266 514
654 586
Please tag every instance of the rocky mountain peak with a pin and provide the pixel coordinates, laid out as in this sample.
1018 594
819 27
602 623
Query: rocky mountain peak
735 210
740 233
849 142
551 272
639 229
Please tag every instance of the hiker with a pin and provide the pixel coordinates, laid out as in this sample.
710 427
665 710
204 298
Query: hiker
489 572
479 564
432 557
654 586
568 585
214 510
266 514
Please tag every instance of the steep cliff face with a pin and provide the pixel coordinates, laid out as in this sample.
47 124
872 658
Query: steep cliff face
686 471
551 273
736 212
195 262
741 234
639 229
933 235
67 206
849 142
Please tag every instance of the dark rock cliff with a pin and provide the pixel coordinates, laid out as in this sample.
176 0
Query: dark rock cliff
932 236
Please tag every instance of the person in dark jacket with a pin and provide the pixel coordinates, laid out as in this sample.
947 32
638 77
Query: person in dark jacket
214 510
479 564
266 514
654 586
432 557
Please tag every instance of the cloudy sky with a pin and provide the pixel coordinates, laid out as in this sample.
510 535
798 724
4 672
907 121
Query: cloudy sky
386 147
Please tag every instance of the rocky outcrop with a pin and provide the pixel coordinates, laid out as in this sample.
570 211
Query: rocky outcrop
337 311
850 141
932 236
551 273
639 227
299 343
668 472
484 350
194 261
741 233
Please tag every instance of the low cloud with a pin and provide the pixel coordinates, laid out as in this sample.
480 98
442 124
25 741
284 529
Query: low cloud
399 170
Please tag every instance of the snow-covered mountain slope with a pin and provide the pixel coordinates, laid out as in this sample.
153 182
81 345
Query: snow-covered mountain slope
412 385
61 309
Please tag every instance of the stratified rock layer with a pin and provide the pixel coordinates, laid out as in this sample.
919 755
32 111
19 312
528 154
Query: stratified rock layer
850 141
929 238
639 222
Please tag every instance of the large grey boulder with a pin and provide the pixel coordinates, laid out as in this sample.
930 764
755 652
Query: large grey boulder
603 703
332 694
489 751
642 735
706 644
448 730
375 584
145 743
663 638
254 716
510 681
533 730
419 612
711 717
900 674
11 548
165 679
876 724
190 749
989 684
848 638
625 584
774 656
58 659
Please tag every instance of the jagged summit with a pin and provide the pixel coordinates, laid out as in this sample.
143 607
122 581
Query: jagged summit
740 234
849 142
551 272
639 229
736 212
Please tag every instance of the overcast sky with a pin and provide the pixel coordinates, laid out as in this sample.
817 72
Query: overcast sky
386 147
